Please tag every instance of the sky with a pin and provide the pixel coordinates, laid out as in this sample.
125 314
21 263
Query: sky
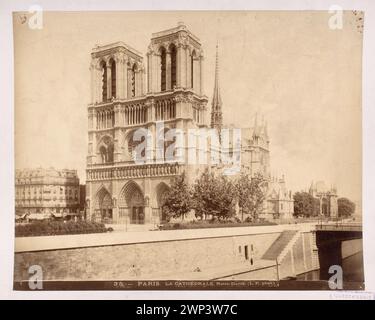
304 77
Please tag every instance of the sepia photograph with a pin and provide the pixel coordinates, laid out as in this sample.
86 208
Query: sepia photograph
188 150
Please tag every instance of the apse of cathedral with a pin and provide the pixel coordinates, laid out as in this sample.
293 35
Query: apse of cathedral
135 102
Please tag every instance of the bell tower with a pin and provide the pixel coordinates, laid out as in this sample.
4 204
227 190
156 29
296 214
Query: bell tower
122 181
175 83
175 61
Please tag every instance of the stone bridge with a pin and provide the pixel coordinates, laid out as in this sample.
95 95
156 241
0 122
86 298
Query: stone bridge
329 239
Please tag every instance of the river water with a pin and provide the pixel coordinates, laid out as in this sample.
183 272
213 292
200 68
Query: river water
352 270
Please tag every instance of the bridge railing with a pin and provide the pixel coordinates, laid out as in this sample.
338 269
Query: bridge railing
339 227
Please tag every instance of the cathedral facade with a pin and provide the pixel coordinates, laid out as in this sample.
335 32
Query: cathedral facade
135 103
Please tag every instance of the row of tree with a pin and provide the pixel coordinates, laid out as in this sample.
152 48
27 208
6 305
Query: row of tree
215 197
305 205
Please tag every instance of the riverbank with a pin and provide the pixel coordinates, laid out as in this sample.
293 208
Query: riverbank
201 254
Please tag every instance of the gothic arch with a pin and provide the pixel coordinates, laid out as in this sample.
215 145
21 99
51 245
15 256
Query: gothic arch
134 71
173 52
163 68
112 64
192 67
103 68
105 149
162 47
103 204
127 193
101 193
132 203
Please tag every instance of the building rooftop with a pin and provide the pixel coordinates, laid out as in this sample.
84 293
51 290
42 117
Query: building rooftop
40 172
180 27
118 44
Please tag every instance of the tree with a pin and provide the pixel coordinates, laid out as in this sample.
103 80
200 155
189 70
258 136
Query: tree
345 207
250 194
177 201
213 196
305 205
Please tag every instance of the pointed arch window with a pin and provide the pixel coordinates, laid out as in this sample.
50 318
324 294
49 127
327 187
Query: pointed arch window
104 80
110 150
103 154
163 66
192 69
133 80
113 78
106 153
173 53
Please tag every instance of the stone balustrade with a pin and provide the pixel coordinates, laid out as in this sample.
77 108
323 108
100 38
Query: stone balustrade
133 171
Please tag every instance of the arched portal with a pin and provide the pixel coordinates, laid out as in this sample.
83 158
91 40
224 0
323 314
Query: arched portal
132 204
162 190
103 206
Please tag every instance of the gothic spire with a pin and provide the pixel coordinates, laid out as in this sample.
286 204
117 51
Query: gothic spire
216 111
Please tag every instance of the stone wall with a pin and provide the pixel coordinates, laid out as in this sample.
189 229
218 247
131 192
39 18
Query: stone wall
213 256
269 273
308 245
135 261
351 247
301 256
298 256
286 266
